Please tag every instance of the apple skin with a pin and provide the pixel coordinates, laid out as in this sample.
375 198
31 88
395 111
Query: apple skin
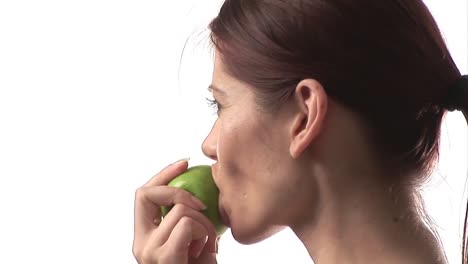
198 180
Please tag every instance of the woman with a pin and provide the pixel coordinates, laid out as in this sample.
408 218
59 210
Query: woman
327 110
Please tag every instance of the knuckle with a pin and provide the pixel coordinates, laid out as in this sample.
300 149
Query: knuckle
180 210
148 257
186 221
138 254
165 259
140 193
144 255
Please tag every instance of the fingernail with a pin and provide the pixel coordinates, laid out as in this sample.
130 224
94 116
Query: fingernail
181 160
216 245
199 203
199 253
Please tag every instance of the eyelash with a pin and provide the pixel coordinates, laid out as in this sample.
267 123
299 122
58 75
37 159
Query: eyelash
214 104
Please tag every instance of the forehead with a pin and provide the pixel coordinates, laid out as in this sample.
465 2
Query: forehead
224 83
219 69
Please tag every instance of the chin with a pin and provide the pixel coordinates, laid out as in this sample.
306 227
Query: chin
250 236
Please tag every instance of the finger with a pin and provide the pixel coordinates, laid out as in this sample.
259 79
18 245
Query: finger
211 244
168 173
183 236
196 246
175 215
206 257
148 202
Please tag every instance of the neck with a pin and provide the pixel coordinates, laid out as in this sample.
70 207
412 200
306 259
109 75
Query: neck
366 224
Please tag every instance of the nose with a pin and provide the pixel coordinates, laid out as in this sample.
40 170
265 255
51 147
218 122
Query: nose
210 144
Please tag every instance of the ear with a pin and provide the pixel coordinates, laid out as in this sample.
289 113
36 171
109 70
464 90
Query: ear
312 101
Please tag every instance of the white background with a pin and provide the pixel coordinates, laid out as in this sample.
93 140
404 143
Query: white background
95 99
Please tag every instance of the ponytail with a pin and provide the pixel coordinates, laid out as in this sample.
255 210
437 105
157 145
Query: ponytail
458 100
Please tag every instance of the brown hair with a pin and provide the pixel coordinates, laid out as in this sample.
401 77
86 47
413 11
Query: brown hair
385 60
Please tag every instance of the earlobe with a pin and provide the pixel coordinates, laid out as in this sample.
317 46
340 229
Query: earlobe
307 124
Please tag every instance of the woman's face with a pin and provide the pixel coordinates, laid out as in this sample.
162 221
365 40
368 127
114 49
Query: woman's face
252 168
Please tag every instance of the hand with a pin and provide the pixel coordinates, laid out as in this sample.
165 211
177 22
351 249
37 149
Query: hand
184 236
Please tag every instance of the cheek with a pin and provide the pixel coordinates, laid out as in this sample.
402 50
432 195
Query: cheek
236 148
248 159
250 179
255 212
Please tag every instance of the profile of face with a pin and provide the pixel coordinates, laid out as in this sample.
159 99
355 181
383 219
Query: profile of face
254 169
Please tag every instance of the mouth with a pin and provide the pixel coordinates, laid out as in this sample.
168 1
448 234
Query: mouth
214 172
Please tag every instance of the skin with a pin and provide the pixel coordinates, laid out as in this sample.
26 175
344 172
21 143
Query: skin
185 235
309 167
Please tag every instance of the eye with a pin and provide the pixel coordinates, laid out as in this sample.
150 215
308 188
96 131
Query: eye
214 104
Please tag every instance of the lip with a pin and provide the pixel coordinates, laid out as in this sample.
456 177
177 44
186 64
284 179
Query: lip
214 171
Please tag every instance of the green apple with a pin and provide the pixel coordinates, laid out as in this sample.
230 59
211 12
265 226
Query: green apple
198 180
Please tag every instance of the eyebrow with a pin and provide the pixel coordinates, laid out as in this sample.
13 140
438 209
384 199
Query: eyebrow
212 88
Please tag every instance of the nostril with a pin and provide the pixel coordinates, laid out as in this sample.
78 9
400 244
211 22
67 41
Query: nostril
207 153
210 145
